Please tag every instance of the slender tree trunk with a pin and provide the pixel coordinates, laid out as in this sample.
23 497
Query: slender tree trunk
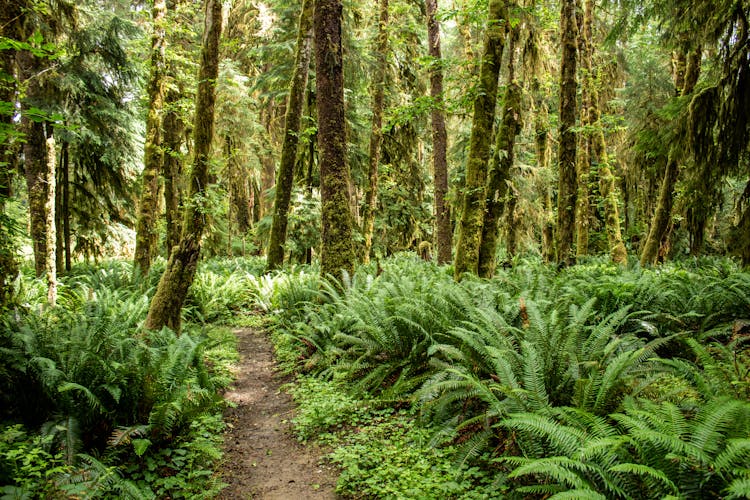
166 305
8 264
376 133
51 229
439 138
470 227
499 176
146 235
174 129
598 147
337 252
65 205
566 200
35 166
584 158
681 65
285 178
660 223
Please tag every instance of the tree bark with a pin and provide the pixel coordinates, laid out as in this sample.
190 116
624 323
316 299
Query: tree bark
543 154
660 223
51 229
498 178
470 226
337 250
285 176
439 138
584 159
566 200
173 130
166 305
376 132
146 235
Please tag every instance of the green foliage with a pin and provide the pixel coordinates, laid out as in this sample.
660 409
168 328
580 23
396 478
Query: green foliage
609 382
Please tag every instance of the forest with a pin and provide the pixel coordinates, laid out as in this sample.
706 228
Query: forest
499 248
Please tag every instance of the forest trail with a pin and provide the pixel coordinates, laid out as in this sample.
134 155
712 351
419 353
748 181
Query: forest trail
262 458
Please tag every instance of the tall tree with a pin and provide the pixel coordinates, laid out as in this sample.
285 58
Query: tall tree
146 235
567 186
663 213
285 175
376 131
470 227
499 173
439 137
166 305
337 250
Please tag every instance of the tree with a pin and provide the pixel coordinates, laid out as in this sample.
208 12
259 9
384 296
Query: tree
146 235
566 197
166 305
470 227
285 175
376 133
439 137
337 250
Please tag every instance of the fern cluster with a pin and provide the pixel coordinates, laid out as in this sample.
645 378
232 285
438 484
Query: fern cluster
97 385
593 381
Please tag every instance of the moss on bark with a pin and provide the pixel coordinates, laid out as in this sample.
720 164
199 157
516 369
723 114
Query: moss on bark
337 250
470 226
285 177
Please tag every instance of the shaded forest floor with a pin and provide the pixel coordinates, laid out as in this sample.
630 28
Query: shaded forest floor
262 458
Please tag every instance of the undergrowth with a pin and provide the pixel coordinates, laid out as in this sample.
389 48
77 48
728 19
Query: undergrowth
594 381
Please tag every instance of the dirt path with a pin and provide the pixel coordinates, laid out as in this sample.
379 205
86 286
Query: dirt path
262 458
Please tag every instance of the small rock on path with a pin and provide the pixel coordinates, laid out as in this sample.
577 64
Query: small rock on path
262 459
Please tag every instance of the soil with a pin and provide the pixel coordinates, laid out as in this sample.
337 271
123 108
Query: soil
262 458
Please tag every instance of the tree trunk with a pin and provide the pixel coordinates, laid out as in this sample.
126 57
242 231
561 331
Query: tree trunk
660 223
470 226
173 130
337 250
146 235
439 138
51 229
498 178
35 166
376 133
166 305
598 148
8 264
584 159
566 199
681 65
285 178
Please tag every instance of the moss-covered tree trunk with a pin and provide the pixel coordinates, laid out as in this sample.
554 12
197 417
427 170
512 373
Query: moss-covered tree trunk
285 175
567 185
8 263
50 226
145 232
470 226
173 133
543 154
237 177
439 138
663 212
598 148
498 178
583 160
376 130
337 250
166 305
35 167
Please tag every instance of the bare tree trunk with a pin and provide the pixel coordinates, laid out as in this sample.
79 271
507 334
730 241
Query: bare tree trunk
337 252
51 229
166 305
439 138
285 178
146 236
376 132
566 201
470 227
